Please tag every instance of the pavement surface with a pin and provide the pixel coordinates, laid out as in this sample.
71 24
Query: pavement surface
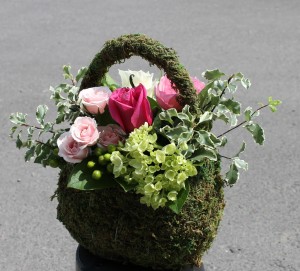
261 226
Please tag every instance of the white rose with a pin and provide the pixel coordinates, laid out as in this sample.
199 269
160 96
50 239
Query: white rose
140 77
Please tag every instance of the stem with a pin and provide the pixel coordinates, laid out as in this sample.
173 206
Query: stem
131 81
36 127
225 157
223 91
40 142
74 83
238 125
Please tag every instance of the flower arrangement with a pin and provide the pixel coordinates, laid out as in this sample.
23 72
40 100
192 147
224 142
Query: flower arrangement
149 137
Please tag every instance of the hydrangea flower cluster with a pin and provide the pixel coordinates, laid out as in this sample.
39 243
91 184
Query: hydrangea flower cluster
159 173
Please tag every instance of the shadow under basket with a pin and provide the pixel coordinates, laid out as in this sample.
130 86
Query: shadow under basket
86 261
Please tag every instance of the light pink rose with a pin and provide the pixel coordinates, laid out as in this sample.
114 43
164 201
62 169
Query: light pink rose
130 108
95 99
198 85
70 150
166 94
110 135
84 131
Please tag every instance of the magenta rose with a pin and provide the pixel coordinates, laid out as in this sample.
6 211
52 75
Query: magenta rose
70 150
130 108
166 94
95 99
84 131
110 135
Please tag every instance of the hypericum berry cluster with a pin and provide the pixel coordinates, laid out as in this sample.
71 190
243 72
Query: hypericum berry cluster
99 161
158 172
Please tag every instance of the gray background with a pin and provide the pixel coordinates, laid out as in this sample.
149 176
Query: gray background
260 229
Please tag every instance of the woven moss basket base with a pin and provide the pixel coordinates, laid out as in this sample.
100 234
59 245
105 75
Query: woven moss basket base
86 261
114 225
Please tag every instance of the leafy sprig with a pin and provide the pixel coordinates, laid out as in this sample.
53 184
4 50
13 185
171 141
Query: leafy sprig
26 135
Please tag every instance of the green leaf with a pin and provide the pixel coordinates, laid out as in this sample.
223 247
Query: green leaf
126 186
153 103
203 96
48 126
81 178
207 116
109 82
30 153
177 205
176 133
72 94
41 113
223 117
19 142
248 113
202 153
167 115
12 131
212 75
223 141
232 119
204 138
233 106
67 74
239 163
81 73
44 154
232 87
105 118
232 175
38 149
273 104
245 82
238 76
214 99
18 118
257 132
242 149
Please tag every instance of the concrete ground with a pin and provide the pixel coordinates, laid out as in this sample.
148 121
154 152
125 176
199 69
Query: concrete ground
261 226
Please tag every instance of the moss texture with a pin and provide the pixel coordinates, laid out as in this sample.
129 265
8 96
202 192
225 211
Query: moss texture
113 224
117 50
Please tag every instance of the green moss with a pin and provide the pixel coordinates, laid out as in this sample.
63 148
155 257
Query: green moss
114 225
117 50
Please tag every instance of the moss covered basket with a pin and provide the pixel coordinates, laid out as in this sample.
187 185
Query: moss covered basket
113 224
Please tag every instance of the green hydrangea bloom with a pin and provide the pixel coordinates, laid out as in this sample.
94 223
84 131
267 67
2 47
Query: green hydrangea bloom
159 173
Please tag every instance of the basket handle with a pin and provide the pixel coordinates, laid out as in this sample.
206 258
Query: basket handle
119 49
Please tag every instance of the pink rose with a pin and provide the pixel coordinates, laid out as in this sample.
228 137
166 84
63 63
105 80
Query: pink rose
95 99
166 94
84 131
70 150
198 85
130 108
110 135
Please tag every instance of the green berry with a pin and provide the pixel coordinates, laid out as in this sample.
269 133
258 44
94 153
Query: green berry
55 151
110 168
96 174
53 163
111 148
107 157
101 160
91 164
98 151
